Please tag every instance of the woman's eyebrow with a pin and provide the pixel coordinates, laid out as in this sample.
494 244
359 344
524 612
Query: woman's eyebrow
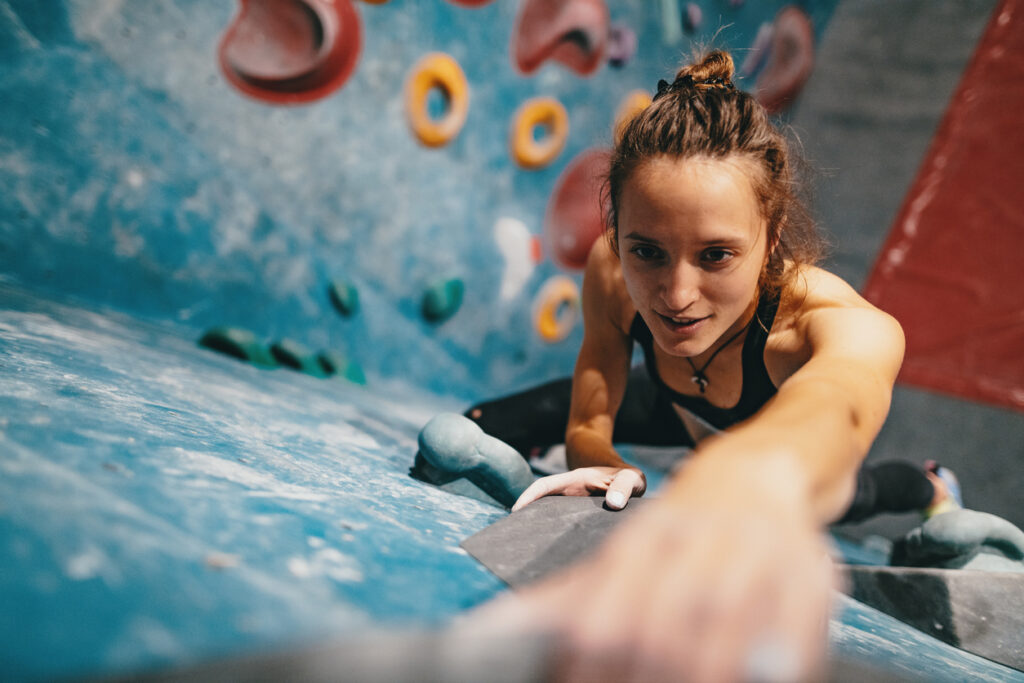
641 238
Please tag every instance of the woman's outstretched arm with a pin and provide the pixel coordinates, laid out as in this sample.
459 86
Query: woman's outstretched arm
819 426
726 575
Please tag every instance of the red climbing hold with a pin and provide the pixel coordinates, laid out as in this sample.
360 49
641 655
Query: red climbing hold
790 60
291 51
572 32
574 218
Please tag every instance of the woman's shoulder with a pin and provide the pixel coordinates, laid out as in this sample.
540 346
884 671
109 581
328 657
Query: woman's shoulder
604 290
810 289
818 311
816 297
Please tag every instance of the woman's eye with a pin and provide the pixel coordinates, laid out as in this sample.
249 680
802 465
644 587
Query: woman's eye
645 253
717 255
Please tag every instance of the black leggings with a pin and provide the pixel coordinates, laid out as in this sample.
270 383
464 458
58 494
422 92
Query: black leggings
533 420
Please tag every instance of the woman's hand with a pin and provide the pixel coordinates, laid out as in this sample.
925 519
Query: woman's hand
706 583
618 483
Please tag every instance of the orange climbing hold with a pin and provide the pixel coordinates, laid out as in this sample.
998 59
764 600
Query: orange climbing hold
436 71
548 114
556 309
632 104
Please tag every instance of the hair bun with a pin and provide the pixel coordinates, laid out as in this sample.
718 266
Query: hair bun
716 68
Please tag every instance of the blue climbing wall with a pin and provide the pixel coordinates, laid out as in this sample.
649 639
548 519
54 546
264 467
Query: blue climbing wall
163 504
136 177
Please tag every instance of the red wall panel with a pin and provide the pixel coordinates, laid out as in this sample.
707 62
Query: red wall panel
952 267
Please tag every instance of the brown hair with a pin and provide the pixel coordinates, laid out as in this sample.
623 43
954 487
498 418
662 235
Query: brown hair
701 114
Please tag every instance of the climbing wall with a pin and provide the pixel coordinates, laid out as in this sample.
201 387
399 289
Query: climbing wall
224 164
393 199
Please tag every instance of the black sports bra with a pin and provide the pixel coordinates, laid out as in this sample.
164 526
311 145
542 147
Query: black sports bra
757 385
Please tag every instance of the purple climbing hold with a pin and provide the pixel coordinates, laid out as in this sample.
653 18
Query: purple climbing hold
692 17
622 44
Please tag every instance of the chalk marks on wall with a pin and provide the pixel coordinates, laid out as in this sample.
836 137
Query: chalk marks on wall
291 51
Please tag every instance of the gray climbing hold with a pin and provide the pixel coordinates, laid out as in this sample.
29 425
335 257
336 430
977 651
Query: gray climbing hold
458 453
962 539
294 355
442 299
344 297
238 343
980 612
546 536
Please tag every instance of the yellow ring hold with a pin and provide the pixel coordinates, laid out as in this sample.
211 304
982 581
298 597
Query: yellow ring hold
556 309
539 111
436 70
631 105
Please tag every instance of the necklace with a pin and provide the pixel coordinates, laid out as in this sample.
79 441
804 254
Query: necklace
699 378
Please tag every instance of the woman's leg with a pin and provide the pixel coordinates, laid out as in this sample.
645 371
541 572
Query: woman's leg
890 487
534 420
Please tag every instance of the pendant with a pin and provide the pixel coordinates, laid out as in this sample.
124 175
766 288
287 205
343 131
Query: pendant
700 380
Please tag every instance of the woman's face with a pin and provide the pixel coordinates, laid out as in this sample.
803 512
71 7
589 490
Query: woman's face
693 244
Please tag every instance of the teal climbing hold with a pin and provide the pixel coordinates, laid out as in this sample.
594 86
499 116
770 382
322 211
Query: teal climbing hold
344 297
335 363
442 300
457 455
294 355
238 343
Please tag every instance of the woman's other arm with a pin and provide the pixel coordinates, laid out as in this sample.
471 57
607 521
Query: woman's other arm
599 383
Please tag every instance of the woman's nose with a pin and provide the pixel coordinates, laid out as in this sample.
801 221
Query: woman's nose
680 287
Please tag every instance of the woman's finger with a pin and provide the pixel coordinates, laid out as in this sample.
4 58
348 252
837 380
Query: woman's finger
625 484
545 486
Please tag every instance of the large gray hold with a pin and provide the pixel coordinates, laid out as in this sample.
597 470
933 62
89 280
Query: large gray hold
962 539
465 460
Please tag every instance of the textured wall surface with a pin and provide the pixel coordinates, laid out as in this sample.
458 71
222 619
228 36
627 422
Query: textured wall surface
160 503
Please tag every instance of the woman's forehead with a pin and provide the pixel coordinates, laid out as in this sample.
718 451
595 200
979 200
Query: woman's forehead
697 197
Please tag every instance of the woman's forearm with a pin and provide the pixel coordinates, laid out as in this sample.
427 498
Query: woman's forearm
808 443
584 447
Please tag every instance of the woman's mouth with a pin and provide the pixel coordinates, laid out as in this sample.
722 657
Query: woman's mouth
682 324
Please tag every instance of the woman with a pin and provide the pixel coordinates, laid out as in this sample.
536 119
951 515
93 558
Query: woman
777 372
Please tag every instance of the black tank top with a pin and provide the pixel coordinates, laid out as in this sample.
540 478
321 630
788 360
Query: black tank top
757 385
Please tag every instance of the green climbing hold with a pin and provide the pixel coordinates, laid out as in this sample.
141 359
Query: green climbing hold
238 343
335 363
344 297
294 355
442 299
